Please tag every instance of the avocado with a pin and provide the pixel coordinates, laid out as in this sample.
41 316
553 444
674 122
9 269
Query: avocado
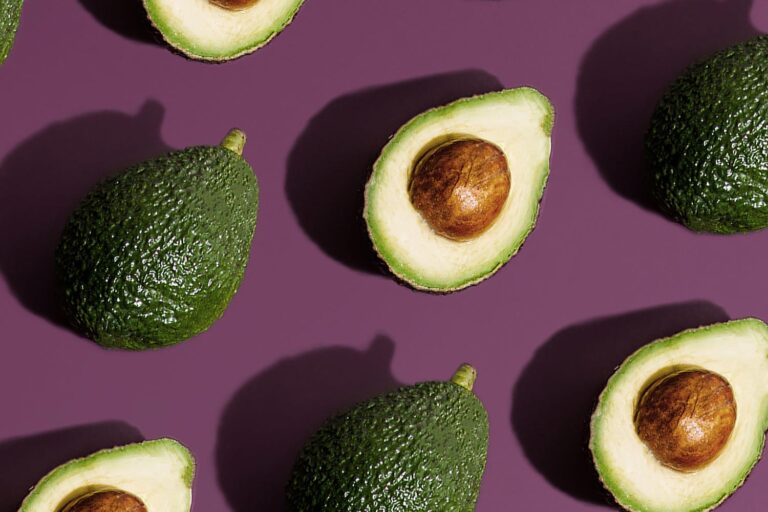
682 421
153 256
456 191
151 476
707 145
10 13
421 448
220 30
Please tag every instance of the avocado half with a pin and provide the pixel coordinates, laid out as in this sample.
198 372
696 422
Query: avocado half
518 122
159 473
737 351
205 30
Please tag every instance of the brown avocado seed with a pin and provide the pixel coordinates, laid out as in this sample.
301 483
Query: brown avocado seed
460 187
106 501
686 418
234 5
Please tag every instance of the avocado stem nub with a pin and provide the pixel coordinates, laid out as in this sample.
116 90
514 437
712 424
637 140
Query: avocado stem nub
234 141
465 376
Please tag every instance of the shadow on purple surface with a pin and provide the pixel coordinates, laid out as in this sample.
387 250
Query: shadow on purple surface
268 420
25 460
627 69
554 397
331 161
42 181
125 17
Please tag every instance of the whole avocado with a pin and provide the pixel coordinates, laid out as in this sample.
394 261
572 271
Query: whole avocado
153 256
421 448
10 13
708 142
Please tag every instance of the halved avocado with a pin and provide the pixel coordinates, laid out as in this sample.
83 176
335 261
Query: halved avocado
219 30
734 356
485 155
154 474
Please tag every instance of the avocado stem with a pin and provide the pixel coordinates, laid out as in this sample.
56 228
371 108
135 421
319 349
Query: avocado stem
465 376
234 141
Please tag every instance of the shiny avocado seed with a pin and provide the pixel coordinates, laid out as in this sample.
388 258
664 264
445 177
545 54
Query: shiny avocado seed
106 501
686 418
234 5
460 187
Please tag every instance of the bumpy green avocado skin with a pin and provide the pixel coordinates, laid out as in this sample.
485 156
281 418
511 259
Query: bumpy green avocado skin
419 449
10 12
154 255
708 142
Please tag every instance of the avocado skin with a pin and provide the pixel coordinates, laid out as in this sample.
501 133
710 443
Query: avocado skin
154 255
10 12
708 142
421 448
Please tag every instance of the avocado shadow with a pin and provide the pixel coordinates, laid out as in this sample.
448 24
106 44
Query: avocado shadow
25 460
627 69
268 420
331 161
553 399
125 17
44 178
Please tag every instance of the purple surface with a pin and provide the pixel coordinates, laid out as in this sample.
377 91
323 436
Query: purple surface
312 329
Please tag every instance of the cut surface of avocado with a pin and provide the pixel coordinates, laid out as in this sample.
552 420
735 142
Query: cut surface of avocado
203 29
159 473
737 351
519 123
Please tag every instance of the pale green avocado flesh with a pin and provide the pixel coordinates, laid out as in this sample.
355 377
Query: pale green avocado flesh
519 122
159 473
10 12
736 350
203 30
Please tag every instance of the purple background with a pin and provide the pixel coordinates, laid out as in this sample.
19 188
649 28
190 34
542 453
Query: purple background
312 329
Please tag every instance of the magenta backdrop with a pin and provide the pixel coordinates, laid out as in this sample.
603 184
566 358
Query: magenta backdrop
312 329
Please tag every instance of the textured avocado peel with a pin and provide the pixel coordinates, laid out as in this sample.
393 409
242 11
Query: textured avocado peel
10 14
707 146
420 448
153 255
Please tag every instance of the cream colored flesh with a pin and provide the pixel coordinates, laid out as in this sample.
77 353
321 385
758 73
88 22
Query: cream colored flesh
736 350
205 30
157 472
518 121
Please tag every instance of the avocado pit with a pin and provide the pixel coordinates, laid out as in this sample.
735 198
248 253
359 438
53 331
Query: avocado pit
234 5
686 418
106 501
460 187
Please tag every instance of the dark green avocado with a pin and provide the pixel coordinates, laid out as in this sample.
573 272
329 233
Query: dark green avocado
10 12
153 256
421 448
708 142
